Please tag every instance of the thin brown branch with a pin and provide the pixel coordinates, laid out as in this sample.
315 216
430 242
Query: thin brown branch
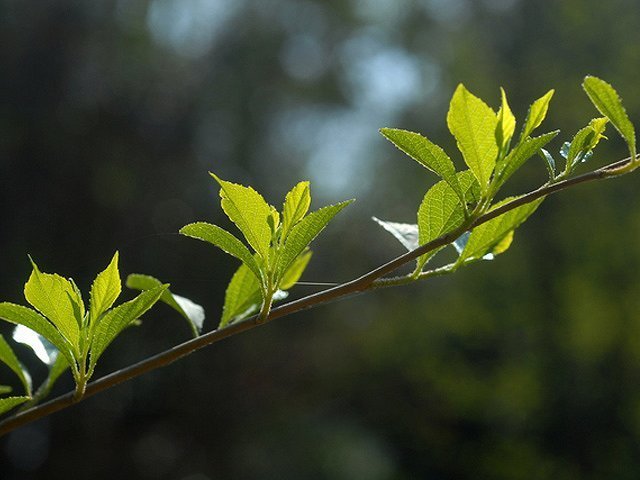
360 284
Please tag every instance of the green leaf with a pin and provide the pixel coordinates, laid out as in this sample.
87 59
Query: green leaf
296 205
242 298
223 240
295 271
405 233
105 290
484 238
506 123
8 403
4 389
424 152
440 212
473 124
19 315
609 104
57 299
536 115
249 211
8 357
519 155
303 234
585 141
192 312
116 319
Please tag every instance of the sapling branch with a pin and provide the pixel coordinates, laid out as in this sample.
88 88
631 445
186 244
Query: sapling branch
369 281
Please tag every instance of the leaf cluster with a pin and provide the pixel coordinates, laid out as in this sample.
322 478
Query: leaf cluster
492 154
277 249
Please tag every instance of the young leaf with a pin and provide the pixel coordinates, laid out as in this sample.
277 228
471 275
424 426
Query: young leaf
584 142
440 212
116 319
8 403
295 271
405 233
424 152
473 124
8 357
223 240
303 234
19 315
519 155
105 290
608 103
485 237
249 211
192 312
242 298
54 297
536 115
506 123
296 205
549 162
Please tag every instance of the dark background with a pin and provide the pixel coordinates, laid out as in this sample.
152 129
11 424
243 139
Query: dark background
112 113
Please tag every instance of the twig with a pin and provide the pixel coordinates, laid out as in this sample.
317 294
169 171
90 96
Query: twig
369 281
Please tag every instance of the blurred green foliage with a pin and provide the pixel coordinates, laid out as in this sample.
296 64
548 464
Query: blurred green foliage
525 367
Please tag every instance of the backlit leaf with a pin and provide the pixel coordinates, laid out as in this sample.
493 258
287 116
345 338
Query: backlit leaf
609 104
506 123
192 312
105 290
19 315
519 155
425 152
8 403
8 357
249 211
303 234
295 271
296 205
56 298
485 237
223 240
242 297
536 115
116 319
473 124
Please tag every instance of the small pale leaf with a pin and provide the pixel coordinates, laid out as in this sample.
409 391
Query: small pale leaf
19 315
405 233
190 311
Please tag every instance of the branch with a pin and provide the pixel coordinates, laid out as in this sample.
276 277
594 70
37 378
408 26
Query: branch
369 281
